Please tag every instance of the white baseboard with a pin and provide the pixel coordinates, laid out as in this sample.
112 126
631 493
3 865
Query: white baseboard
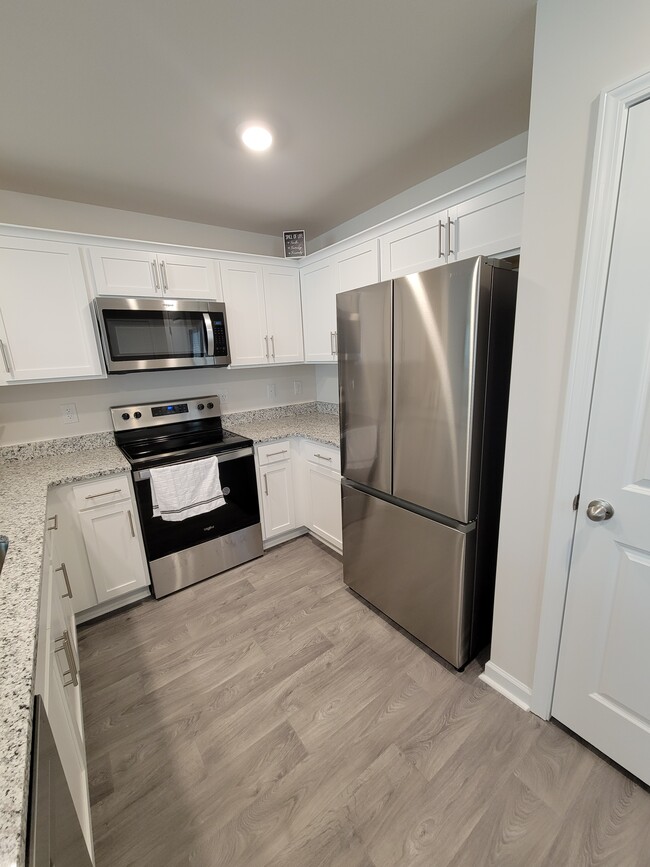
507 685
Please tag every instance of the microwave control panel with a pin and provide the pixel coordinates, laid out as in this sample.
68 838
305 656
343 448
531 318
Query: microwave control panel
220 340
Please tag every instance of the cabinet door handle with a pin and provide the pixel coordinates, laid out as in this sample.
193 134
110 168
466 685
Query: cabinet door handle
5 357
163 271
440 239
55 524
72 671
273 346
156 281
266 484
266 340
322 457
62 569
104 494
131 522
450 223
281 452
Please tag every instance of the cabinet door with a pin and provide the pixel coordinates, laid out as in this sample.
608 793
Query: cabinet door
46 324
243 293
318 289
358 266
416 247
113 550
278 510
488 225
324 504
188 277
283 314
125 272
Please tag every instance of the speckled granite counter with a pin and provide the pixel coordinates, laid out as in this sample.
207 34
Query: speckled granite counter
26 472
318 426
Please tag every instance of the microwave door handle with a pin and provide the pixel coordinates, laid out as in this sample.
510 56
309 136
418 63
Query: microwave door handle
209 333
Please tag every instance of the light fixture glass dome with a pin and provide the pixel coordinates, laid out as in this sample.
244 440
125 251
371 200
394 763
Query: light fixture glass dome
256 137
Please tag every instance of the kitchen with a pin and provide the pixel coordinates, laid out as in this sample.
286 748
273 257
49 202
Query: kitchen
32 412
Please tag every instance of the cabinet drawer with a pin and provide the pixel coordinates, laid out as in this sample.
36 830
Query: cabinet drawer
110 489
271 453
324 456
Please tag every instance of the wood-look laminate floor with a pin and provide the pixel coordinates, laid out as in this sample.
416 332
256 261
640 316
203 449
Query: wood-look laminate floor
268 717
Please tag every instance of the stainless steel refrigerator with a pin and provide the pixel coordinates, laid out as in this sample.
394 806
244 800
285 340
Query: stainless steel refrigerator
424 373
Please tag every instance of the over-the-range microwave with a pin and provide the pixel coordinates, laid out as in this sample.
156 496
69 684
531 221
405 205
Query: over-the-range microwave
162 333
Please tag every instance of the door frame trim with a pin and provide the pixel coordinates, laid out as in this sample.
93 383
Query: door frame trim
614 105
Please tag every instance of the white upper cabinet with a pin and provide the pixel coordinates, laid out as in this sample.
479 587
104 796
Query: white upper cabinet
321 283
416 247
263 310
283 314
46 323
488 225
358 266
318 286
243 294
141 273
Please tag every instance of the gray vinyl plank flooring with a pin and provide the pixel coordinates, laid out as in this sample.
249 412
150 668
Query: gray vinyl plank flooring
267 716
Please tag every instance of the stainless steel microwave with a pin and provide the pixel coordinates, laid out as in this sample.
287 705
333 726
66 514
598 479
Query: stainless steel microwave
162 333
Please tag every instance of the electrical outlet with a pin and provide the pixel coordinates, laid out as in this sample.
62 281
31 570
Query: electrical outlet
271 391
69 413
297 387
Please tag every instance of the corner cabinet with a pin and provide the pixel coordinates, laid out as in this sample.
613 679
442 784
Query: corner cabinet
147 274
322 480
264 313
47 329
321 283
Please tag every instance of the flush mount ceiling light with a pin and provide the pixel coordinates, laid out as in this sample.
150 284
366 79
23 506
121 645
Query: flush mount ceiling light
256 137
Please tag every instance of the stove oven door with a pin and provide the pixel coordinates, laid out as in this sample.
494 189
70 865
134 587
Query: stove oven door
184 552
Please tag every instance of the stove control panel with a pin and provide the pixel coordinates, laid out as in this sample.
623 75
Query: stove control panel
151 414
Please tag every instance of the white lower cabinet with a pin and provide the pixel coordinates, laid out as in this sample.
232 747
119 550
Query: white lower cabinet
299 488
114 554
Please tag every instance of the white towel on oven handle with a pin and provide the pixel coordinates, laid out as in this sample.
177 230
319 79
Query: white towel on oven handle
180 491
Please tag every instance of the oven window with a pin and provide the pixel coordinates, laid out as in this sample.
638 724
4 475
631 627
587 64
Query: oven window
137 335
241 510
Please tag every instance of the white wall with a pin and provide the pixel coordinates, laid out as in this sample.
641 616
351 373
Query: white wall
511 151
581 48
327 383
21 209
33 412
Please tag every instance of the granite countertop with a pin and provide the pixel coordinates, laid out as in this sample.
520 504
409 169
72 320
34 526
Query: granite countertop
23 487
26 473
317 426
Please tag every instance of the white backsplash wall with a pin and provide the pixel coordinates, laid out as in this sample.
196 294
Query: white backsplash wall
33 412
327 383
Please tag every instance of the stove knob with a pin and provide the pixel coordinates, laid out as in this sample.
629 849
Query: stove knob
137 415
126 416
210 405
200 406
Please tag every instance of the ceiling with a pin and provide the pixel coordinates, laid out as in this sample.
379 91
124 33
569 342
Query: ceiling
133 104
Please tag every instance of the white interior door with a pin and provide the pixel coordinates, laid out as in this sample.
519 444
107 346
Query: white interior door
602 688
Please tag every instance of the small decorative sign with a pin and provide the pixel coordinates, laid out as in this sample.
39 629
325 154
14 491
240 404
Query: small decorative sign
294 244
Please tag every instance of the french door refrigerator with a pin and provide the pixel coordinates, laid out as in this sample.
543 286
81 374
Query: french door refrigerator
424 373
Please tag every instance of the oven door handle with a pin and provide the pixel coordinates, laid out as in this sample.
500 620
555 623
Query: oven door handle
141 475
209 333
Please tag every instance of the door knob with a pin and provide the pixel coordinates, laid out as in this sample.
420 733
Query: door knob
599 510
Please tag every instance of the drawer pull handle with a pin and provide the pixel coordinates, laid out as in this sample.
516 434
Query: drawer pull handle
322 457
64 572
72 671
131 522
104 494
281 452
55 524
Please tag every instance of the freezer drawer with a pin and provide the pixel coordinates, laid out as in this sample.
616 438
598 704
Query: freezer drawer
417 571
